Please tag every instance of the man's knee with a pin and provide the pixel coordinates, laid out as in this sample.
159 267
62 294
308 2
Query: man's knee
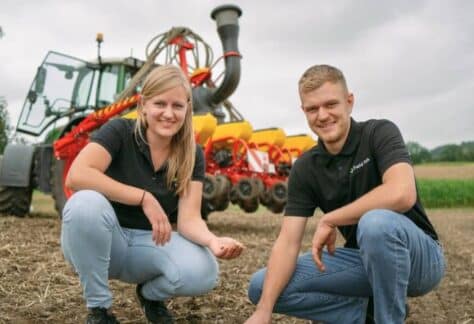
375 224
256 286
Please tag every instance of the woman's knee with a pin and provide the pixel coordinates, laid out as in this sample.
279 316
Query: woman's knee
200 276
255 286
88 208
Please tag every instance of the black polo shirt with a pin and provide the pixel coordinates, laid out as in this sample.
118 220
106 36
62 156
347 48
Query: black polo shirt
320 179
132 165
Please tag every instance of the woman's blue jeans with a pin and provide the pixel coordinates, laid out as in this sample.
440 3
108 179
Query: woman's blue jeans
396 259
98 249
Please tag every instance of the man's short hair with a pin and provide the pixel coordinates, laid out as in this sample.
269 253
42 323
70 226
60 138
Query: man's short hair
317 75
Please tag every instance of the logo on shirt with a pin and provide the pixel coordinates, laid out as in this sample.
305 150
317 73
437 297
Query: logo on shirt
359 165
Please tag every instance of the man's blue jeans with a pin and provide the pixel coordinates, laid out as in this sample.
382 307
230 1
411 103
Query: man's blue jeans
98 248
396 259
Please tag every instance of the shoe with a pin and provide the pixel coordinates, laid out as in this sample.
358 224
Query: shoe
155 311
99 315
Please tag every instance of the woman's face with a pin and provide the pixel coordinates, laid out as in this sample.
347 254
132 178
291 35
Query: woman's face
165 113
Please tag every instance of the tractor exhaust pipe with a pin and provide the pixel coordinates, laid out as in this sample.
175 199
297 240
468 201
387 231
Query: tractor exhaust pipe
208 99
226 18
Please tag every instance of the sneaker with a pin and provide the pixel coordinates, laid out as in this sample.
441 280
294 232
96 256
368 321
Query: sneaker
100 315
155 311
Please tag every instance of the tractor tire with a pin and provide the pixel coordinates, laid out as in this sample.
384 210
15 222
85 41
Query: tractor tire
206 209
15 201
209 187
57 187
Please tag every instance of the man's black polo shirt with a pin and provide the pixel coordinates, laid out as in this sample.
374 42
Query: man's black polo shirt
319 179
132 165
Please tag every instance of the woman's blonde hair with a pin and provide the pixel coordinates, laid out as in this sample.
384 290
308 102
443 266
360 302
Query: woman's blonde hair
182 148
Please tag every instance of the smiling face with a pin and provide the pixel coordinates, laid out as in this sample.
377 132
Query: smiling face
328 110
165 113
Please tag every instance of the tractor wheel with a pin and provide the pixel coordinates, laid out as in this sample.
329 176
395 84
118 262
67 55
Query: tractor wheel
276 208
209 188
15 201
265 198
246 189
206 209
222 203
222 200
279 193
60 193
249 206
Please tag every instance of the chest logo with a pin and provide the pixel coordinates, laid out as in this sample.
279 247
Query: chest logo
359 165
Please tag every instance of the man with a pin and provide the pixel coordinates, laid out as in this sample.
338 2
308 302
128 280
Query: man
360 176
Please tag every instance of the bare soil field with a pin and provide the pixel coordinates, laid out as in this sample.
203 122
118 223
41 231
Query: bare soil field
445 171
37 286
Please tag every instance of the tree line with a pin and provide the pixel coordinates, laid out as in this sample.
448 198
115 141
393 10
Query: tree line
443 153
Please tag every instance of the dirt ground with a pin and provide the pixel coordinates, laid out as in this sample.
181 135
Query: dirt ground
445 171
36 285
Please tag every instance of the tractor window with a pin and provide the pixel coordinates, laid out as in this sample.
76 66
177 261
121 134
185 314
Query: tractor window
51 93
108 85
84 96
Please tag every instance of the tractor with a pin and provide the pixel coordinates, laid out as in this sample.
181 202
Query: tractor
69 98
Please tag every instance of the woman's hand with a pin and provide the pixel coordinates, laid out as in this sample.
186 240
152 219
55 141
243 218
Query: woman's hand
160 225
226 248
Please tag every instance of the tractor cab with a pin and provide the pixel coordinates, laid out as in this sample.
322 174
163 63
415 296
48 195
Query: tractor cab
67 88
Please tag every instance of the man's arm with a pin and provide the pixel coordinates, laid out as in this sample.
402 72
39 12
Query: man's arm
397 192
281 266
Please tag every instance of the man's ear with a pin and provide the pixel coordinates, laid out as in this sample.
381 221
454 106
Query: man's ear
350 100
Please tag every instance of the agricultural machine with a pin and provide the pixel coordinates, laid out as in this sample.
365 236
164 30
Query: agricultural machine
70 98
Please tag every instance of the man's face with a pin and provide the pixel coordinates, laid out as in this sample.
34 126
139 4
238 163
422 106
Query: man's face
328 110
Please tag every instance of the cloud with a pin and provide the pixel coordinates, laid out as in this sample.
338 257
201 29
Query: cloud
409 61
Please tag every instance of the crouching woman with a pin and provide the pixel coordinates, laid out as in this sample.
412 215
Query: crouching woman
132 182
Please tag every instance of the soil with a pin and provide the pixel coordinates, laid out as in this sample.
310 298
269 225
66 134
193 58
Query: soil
37 286
462 171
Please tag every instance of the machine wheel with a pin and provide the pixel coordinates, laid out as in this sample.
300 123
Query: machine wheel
59 192
249 206
15 201
209 188
246 189
206 209
279 193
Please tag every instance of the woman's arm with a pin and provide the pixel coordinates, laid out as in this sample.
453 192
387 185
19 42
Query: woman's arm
193 227
87 172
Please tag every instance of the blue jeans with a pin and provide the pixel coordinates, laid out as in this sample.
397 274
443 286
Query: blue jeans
396 259
98 249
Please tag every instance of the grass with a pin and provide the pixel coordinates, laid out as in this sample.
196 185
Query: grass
442 193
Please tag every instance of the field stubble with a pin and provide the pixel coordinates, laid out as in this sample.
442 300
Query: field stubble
37 286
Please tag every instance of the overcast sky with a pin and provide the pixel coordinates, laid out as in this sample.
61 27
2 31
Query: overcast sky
408 61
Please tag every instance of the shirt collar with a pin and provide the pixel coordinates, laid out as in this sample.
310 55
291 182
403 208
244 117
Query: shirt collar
144 148
352 142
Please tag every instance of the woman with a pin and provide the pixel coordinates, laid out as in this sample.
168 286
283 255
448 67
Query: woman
132 181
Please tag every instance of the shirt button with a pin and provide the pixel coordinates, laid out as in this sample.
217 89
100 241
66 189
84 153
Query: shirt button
153 178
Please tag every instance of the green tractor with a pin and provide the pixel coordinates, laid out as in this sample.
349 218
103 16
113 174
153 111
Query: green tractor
66 90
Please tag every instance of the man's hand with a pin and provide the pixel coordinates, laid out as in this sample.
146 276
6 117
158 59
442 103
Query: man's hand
160 225
226 247
325 235
259 317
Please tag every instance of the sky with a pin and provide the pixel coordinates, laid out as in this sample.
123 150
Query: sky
408 61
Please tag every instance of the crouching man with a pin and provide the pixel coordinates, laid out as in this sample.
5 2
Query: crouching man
360 175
